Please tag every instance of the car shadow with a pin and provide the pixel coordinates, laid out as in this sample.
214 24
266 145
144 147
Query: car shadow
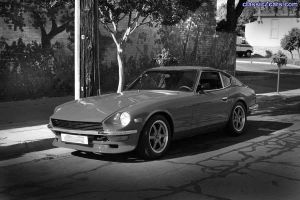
196 145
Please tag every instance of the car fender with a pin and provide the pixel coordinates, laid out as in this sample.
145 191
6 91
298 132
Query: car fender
156 112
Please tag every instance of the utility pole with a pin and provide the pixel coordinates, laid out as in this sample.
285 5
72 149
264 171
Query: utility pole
89 48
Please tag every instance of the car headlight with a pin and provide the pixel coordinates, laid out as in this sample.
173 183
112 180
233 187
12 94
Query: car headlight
125 118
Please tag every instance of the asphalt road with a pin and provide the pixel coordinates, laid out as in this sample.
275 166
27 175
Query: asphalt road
264 163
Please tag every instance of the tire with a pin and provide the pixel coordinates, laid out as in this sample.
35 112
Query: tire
155 138
248 54
238 120
240 55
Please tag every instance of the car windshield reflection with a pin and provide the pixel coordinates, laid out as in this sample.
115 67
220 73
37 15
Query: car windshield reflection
166 80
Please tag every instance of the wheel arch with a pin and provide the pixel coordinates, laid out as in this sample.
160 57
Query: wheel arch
164 113
244 103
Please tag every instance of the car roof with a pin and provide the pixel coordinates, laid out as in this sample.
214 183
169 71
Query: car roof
183 68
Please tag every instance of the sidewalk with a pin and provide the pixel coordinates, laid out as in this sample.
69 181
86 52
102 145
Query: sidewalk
274 96
265 63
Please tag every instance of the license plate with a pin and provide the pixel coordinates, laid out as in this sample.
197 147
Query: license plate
79 139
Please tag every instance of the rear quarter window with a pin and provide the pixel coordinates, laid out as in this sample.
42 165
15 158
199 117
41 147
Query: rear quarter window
225 79
235 81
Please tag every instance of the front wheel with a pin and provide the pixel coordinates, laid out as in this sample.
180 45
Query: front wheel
155 138
238 119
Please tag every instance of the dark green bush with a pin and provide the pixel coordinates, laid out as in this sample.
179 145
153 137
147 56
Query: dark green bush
29 71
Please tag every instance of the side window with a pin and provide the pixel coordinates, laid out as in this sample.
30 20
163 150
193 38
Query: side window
225 79
210 81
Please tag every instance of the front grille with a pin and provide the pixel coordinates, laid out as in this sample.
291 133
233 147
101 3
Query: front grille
75 125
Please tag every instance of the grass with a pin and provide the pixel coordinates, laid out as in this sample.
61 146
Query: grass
267 82
295 61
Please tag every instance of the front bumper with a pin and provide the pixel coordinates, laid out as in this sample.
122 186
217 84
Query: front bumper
252 108
105 142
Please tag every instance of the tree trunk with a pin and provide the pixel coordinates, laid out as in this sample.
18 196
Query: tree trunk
121 69
298 50
45 39
278 77
292 55
186 41
194 52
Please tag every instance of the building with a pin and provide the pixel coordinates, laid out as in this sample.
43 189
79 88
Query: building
267 31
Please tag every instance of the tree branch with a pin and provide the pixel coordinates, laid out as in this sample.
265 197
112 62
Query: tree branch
115 25
129 19
106 26
140 24
57 29
239 9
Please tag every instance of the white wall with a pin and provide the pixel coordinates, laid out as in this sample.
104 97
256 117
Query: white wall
260 34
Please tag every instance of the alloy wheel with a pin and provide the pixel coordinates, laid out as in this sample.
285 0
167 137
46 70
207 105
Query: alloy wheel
238 118
158 136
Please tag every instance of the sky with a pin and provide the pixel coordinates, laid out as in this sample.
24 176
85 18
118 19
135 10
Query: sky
220 2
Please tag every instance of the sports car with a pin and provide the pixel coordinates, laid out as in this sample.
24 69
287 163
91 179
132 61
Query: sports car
161 105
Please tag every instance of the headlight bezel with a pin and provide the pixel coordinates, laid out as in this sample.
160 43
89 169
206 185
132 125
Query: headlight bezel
119 119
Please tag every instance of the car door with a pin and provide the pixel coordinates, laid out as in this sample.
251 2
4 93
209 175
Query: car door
212 105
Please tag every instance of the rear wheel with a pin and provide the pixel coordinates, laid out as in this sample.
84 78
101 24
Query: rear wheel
155 138
238 119
248 54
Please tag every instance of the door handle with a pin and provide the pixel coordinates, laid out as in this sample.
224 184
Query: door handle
224 98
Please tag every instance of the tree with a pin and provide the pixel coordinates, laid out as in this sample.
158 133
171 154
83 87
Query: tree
233 12
43 12
280 59
287 44
183 39
138 13
294 34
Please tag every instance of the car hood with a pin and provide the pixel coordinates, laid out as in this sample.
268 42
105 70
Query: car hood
95 109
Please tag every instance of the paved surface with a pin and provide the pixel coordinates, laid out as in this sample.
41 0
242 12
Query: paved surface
19 113
264 164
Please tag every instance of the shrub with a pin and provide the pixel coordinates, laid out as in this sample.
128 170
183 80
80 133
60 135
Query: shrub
29 71
269 53
279 58
165 58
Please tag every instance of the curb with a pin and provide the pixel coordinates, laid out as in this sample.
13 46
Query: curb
265 63
17 150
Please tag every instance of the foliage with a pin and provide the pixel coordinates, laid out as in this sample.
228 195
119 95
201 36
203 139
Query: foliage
269 53
291 41
165 58
279 58
29 71
137 13
60 14
295 39
287 44
182 40
133 68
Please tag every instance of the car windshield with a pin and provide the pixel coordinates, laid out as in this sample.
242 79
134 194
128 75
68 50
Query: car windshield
178 80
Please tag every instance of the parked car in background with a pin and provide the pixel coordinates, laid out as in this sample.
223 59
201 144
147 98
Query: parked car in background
243 48
161 105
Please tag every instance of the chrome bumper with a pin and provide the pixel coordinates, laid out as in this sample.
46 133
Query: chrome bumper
252 108
84 132
112 142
